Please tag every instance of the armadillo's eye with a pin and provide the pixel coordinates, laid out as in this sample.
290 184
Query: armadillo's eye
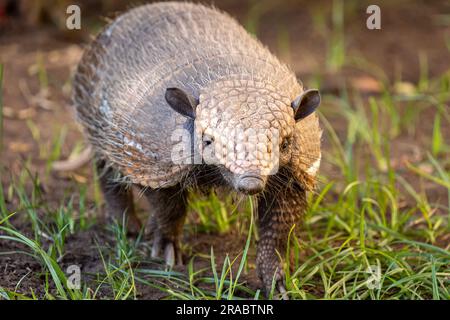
207 140
285 145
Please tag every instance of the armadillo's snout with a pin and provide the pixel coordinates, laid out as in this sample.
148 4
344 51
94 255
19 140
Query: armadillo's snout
250 184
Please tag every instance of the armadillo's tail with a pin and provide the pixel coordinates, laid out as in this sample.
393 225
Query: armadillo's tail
75 163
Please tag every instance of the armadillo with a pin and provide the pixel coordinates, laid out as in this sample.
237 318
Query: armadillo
176 95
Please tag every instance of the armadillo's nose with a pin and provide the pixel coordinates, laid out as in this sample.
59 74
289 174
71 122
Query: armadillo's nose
250 184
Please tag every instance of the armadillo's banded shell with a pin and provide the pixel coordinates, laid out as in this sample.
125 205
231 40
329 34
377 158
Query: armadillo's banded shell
121 80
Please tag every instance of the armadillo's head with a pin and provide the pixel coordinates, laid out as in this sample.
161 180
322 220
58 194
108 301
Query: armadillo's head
245 128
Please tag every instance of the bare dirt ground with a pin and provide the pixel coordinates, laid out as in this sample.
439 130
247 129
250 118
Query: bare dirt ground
394 49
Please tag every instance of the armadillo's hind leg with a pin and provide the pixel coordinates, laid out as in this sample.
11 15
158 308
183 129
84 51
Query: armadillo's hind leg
168 212
118 198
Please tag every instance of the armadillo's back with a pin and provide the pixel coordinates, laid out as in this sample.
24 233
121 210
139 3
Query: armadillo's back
121 80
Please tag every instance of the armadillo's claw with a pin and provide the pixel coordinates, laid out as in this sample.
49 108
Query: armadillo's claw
272 276
169 254
282 291
170 250
156 248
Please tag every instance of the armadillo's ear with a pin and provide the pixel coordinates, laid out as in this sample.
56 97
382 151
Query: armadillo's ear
181 101
305 104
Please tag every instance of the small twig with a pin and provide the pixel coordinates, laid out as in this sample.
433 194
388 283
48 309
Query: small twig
73 164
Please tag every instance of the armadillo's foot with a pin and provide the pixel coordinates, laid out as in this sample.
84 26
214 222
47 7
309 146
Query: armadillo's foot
135 229
133 225
282 291
271 273
279 289
170 251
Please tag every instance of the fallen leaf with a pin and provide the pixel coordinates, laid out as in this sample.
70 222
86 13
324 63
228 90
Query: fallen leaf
20 114
366 84
19 147
405 88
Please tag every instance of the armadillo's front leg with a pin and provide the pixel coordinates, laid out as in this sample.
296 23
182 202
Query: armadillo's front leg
279 209
168 212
